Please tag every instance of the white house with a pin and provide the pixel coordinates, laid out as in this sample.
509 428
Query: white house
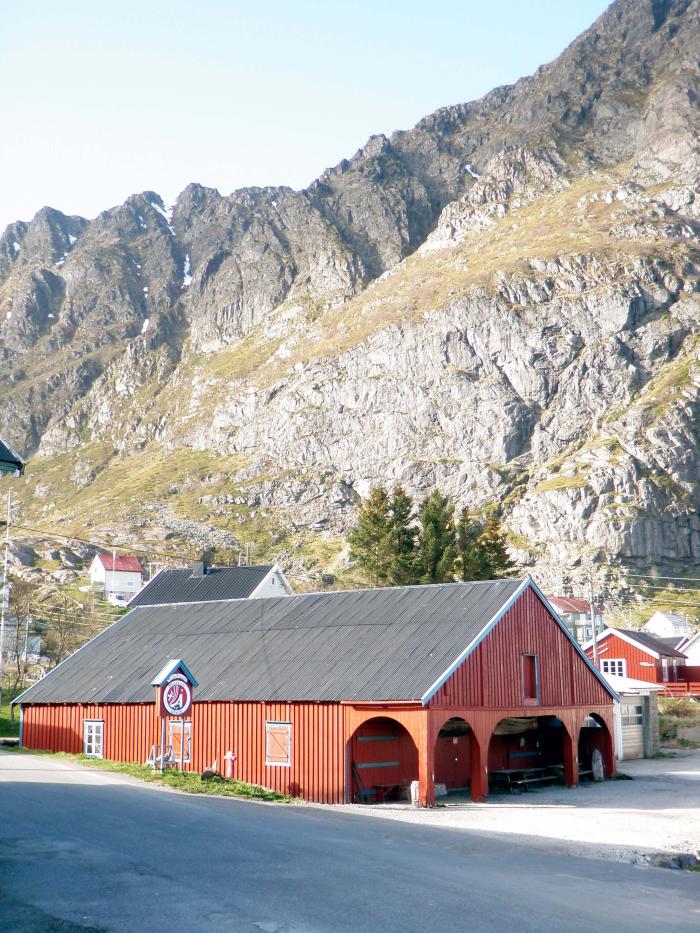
669 624
575 613
120 575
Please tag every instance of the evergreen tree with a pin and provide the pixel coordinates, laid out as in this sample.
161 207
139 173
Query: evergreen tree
436 547
383 541
497 563
470 557
481 549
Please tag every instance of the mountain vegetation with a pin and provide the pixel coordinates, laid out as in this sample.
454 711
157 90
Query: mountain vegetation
501 303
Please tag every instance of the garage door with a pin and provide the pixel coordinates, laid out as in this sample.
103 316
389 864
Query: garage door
632 730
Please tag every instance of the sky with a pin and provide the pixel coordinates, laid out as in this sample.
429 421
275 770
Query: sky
102 100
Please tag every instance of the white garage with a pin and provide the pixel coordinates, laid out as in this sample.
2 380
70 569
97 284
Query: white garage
636 717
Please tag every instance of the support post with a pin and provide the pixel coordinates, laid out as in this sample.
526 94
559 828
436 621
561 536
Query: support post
426 777
162 743
480 773
570 759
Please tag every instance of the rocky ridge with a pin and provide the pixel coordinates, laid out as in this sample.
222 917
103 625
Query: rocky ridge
502 302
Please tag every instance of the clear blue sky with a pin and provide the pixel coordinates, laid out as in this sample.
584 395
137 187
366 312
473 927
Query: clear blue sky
100 100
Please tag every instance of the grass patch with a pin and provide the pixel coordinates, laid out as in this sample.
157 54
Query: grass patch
8 729
189 782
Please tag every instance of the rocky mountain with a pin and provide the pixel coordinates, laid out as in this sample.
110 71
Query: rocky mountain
502 301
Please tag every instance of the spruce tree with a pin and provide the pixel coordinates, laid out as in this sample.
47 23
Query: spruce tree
492 541
383 541
470 556
436 546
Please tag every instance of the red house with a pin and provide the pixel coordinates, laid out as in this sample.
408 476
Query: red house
638 655
343 696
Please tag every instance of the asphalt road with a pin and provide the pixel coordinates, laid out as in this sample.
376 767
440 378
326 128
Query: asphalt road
84 850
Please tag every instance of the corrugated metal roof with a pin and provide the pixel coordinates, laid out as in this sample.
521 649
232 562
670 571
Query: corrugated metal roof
567 604
381 644
10 460
120 562
180 586
659 645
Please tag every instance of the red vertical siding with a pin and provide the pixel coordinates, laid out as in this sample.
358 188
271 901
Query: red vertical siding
491 676
317 770
614 647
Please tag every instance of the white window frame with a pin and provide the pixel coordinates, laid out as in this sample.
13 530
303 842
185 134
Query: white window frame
618 665
93 738
175 729
278 764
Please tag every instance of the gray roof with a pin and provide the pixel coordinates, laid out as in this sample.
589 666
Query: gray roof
179 586
659 645
379 644
10 460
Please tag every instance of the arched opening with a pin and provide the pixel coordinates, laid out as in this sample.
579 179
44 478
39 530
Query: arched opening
455 753
528 752
594 735
383 761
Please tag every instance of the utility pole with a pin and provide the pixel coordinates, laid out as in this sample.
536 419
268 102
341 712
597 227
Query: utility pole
596 659
5 591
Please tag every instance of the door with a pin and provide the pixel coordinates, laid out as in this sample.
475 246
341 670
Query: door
632 714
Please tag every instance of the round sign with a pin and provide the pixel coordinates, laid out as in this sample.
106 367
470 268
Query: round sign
177 697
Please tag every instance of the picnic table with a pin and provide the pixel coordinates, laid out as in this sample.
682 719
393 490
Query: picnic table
522 778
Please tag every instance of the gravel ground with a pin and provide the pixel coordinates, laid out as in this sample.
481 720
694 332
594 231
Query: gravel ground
656 813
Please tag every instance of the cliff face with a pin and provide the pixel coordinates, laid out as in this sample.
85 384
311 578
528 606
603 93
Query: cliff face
502 302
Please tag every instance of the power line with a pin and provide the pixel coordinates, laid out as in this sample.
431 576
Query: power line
656 576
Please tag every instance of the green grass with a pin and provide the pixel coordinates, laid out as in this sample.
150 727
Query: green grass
8 729
189 782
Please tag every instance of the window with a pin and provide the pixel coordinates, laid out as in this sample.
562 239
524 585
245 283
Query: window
531 678
632 714
175 739
93 738
589 633
614 666
278 743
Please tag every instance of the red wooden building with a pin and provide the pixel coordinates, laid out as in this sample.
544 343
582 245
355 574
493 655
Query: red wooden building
641 656
340 696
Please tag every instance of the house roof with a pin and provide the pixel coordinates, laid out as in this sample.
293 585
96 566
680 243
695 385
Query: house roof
381 644
120 562
644 640
179 586
566 604
10 460
623 685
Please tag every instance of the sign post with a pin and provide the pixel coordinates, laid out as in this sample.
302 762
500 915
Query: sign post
174 685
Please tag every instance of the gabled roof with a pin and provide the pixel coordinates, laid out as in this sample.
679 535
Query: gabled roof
10 460
364 645
654 646
120 563
180 586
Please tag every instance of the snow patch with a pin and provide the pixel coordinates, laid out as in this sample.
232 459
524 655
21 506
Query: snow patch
8 315
16 246
186 277
145 289
146 325
72 239
468 168
51 315
167 214
273 202
142 223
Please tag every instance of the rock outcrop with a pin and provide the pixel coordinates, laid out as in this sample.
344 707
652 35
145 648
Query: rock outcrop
502 302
